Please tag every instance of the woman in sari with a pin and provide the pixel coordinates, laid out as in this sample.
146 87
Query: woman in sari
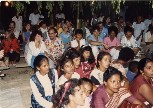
142 86
110 94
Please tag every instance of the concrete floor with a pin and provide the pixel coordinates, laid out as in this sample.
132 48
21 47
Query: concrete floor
15 91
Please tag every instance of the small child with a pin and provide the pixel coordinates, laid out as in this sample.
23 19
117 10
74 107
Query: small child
132 70
43 83
87 60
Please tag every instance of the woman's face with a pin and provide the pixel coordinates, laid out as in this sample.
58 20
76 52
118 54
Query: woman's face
96 33
86 54
65 28
79 97
28 26
76 62
148 69
112 34
69 67
87 89
113 84
44 68
38 38
105 61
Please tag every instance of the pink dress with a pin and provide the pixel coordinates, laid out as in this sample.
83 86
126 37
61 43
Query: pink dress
110 43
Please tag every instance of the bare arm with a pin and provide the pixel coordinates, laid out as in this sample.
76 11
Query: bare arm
98 43
147 93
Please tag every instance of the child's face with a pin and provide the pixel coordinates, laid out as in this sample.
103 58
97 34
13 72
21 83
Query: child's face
105 61
76 62
128 34
79 36
69 67
44 68
87 89
79 97
86 54
44 26
28 26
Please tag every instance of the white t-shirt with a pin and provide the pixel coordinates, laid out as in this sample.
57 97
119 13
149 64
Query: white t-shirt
74 43
148 37
62 79
60 16
137 30
18 23
98 75
34 18
31 50
129 43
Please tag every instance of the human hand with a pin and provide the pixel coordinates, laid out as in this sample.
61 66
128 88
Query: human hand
1 53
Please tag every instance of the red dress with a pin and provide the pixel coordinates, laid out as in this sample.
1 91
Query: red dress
87 68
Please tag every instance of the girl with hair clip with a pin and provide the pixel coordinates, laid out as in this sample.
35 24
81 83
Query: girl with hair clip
87 60
70 95
74 55
67 71
43 83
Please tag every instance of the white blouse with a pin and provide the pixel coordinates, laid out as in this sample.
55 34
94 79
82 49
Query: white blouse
47 85
31 50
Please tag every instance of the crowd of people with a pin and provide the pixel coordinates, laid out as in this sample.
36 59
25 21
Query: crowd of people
88 67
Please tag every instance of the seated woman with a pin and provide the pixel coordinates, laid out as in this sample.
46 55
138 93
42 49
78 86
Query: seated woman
112 42
35 47
128 40
95 41
11 48
43 83
142 85
110 94
103 62
70 95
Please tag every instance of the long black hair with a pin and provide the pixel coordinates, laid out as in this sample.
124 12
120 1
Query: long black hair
84 48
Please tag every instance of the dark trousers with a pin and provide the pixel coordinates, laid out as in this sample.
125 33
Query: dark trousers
14 56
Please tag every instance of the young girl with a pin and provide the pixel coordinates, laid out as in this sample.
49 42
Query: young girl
26 33
67 71
103 62
87 60
66 37
70 95
43 83
78 39
88 87
74 55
